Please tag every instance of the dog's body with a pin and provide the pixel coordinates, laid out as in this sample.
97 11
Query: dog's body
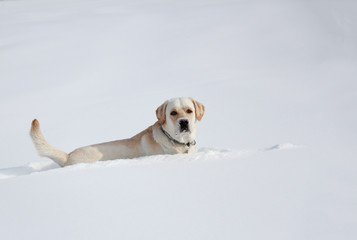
174 132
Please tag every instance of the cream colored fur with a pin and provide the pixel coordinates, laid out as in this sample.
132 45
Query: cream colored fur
151 141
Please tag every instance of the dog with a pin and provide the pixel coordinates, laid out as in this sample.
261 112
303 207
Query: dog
173 133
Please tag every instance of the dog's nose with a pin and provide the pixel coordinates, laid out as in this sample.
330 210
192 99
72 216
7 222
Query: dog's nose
183 125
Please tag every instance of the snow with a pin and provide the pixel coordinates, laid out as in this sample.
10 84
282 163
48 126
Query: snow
276 147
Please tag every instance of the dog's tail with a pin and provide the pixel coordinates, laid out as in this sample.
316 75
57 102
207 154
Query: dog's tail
44 148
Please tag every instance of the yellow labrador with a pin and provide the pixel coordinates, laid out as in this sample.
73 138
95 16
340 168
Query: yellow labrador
174 132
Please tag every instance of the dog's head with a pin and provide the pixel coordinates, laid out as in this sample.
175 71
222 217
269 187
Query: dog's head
178 116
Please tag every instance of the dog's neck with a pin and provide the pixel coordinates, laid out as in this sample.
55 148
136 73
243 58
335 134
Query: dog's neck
173 140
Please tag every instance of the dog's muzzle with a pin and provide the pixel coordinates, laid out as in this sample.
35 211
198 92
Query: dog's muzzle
184 125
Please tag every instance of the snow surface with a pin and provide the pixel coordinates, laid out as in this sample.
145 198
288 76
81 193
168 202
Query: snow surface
277 145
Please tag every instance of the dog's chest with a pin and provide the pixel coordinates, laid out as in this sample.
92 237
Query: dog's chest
185 149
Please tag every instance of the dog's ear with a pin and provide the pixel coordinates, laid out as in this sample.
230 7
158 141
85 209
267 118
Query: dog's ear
199 109
161 113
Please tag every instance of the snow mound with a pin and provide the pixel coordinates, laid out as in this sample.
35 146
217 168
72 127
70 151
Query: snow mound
30 168
283 146
203 154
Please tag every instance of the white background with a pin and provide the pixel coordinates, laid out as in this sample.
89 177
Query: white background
268 72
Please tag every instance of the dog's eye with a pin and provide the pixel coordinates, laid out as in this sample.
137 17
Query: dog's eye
189 111
173 113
